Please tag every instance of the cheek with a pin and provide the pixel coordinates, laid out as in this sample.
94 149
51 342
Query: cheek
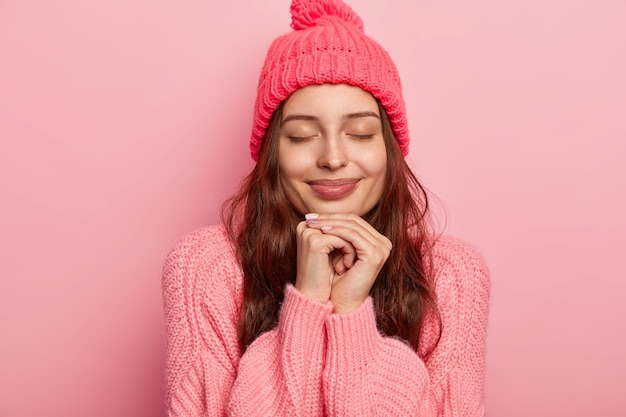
378 172
380 182
375 162
291 187
289 170
285 162
293 162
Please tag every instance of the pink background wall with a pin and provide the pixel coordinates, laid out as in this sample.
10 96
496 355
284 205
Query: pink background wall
124 124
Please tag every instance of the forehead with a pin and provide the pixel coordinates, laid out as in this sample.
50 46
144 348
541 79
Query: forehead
330 99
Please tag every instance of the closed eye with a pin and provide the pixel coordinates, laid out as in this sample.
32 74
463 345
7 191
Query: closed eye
296 139
361 136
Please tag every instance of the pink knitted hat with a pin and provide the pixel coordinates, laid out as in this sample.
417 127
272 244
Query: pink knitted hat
328 45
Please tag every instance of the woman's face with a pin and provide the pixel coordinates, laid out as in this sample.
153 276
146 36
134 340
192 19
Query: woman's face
331 150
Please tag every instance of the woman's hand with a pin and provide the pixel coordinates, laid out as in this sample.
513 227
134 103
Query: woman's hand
339 258
318 261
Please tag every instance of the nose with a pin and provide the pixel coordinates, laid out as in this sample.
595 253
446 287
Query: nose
333 154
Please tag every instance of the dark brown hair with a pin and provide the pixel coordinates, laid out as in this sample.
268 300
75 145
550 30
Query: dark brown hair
261 223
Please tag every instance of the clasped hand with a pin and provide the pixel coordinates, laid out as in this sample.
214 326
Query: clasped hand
339 258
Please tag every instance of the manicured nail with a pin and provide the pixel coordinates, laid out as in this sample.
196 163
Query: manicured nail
326 228
312 218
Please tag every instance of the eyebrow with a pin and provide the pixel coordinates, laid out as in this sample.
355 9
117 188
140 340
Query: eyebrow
315 118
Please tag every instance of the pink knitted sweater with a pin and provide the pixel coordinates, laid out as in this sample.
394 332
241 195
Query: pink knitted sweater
316 363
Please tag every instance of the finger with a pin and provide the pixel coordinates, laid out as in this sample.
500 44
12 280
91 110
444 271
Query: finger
369 250
338 265
343 260
344 217
352 221
313 240
345 252
358 236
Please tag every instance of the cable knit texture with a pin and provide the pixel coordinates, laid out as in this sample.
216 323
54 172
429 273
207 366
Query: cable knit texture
328 45
314 362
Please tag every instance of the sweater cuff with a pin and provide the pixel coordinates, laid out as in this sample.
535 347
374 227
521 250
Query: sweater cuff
353 338
301 320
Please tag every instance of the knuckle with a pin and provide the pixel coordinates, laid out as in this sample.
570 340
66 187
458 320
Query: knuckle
316 241
306 231
383 252
301 227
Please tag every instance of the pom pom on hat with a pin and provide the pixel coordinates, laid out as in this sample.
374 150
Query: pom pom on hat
305 14
328 45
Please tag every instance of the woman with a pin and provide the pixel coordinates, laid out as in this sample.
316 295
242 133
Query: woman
324 293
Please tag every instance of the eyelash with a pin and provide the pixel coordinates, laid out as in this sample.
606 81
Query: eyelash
297 139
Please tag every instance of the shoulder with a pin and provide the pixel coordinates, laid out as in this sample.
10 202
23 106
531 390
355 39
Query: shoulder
456 262
460 280
203 260
207 246
206 240
202 292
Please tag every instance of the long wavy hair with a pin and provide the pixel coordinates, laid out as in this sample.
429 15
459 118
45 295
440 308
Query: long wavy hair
261 223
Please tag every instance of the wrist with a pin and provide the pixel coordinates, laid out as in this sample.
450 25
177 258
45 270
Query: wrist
319 295
345 306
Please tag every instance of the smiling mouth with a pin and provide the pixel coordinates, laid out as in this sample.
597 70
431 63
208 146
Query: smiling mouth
334 189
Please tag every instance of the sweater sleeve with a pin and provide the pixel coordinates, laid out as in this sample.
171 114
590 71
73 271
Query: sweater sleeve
457 365
369 374
199 297
280 372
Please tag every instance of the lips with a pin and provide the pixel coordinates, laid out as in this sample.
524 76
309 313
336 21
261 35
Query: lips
333 189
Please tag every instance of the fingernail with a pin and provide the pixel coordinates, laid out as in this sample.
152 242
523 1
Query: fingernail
312 218
326 228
